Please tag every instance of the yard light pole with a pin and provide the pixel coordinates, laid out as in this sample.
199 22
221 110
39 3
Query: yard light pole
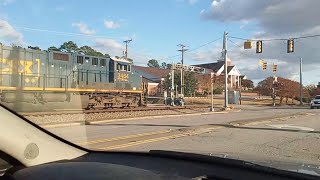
212 109
225 70
301 86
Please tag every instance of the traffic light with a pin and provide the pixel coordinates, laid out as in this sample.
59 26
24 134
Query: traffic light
259 47
191 68
290 46
247 45
170 76
185 68
178 66
274 68
264 66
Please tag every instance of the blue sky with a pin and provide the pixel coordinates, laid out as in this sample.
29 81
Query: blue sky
156 28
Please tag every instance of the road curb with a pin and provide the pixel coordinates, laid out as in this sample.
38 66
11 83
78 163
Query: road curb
60 125
262 120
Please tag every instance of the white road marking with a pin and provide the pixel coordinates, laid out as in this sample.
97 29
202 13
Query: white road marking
287 126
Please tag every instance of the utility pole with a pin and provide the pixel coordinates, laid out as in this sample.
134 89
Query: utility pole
127 42
182 50
225 70
172 86
301 86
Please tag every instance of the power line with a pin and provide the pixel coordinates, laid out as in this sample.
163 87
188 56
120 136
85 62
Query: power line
61 32
193 49
204 45
276 39
235 43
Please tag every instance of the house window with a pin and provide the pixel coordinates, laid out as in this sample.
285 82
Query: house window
95 61
80 59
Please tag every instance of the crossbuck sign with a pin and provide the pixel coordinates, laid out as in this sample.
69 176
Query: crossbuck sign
188 68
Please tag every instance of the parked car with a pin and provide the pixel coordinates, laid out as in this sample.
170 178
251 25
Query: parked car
315 102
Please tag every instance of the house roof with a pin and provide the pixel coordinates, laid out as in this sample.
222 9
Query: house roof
243 77
213 66
151 73
229 69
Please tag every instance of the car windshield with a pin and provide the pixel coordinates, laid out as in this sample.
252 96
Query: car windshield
225 78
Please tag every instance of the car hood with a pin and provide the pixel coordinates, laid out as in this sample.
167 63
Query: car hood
289 165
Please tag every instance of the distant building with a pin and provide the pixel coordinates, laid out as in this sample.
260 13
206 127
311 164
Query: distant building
232 71
154 77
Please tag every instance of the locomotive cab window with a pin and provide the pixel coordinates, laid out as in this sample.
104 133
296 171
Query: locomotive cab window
122 67
118 67
94 61
103 62
87 59
80 59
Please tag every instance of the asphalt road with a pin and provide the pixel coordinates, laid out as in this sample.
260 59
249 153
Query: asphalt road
248 132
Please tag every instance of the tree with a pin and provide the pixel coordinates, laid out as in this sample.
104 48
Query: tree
69 46
247 83
53 48
153 63
190 82
34 48
285 88
169 66
312 89
164 65
204 83
87 50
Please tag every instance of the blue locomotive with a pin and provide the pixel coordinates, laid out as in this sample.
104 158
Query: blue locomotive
61 80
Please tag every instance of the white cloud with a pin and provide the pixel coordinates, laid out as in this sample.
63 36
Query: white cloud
84 29
9 35
5 2
192 2
115 48
111 24
109 46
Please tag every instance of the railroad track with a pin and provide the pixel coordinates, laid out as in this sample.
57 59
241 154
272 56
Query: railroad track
91 111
